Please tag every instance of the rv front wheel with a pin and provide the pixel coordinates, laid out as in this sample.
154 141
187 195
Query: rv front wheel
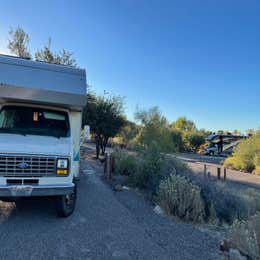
66 203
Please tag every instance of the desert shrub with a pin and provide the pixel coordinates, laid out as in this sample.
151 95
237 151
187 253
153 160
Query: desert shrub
149 170
147 166
257 164
231 203
252 200
194 140
257 171
247 155
229 162
181 198
256 159
245 236
174 165
224 202
125 163
227 206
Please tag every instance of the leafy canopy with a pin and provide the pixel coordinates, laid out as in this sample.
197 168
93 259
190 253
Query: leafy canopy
154 129
183 124
105 116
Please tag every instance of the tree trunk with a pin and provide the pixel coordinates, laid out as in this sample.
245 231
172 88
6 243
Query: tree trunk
102 147
97 146
105 145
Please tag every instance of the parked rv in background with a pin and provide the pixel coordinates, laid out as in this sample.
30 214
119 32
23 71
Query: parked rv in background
40 125
220 144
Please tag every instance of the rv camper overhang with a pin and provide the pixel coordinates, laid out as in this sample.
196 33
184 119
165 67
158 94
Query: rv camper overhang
28 81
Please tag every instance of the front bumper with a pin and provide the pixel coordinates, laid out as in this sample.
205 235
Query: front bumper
35 190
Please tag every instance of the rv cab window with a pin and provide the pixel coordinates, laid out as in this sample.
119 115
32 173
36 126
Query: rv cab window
34 121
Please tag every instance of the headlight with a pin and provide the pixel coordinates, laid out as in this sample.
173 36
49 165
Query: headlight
62 166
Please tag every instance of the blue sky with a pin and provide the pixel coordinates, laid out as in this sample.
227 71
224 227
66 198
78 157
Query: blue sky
200 59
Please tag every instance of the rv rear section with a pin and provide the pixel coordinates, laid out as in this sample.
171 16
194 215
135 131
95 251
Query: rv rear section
40 124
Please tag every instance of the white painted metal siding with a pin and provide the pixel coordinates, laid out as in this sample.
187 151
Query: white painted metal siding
26 80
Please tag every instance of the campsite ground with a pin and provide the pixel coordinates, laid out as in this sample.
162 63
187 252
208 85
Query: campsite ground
105 225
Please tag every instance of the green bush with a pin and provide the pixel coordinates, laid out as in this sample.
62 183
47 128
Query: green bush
222 202
257 171
245 236
247 155
125 163
181 198
149 170
194 140
155 128
147 166
229 162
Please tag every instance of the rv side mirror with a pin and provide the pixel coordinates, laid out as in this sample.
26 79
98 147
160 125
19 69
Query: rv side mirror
86 131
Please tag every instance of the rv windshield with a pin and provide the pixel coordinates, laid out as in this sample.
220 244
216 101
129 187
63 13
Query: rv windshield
34 121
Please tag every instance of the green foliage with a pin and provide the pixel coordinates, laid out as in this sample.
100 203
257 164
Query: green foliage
177 139
184 125
149 170
105 117
222 202
181 198
181 135
125 163
257 171
245 236
187 136
18 42
147 167
47 55
246 156
154 128
128 133
194 140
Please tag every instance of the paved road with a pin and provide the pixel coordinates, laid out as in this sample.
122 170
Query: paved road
196 163
105 225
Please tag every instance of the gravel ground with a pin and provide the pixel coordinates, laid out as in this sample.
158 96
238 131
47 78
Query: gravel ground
105 225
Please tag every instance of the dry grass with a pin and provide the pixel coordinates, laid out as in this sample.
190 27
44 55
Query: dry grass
181 198
245 236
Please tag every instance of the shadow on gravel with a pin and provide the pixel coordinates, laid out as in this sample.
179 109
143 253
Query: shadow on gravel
29 208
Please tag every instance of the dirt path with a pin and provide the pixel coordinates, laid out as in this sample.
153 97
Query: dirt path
105 225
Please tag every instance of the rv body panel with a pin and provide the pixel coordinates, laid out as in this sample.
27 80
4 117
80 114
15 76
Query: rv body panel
41 83
36 163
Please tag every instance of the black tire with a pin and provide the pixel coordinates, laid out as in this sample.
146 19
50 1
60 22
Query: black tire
66 203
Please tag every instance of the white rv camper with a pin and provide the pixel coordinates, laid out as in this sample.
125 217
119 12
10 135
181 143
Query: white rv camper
40 124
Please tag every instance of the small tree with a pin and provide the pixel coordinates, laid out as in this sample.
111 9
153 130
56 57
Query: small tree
18 42
177 140
47 55
194 140
105 117
154 129
184 125
128 132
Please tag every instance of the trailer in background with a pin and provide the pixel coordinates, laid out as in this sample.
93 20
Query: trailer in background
220 144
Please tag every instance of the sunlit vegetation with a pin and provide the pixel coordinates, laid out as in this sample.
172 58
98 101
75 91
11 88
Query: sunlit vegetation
246 156
150 126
